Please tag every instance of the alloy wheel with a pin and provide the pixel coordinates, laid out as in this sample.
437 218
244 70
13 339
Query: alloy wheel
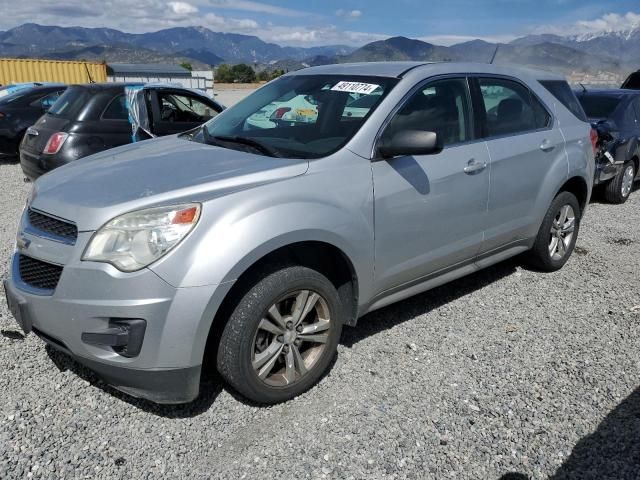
291 338
627 181
562 230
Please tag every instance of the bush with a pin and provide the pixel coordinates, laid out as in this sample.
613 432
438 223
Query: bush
240 73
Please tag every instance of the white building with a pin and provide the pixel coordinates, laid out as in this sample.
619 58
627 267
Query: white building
156 72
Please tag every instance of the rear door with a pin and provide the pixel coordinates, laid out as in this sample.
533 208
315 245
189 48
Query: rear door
176 111
523 144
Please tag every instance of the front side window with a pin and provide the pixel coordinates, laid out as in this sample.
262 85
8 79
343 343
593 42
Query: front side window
183 109
441 107
300 116
511 108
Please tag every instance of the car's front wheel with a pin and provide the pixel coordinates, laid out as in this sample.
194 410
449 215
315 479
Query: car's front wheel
618 189
558 233
282 335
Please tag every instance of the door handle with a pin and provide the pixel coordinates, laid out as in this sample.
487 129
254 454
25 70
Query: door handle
473 166
547 146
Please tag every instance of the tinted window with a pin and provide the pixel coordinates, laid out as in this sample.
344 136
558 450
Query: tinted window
117 109
45 102
70 103
511 108
302 116
182 109
441 107
599 106
563 93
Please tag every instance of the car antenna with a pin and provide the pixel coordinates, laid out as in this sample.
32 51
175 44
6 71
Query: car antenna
495 52
88 74
584 89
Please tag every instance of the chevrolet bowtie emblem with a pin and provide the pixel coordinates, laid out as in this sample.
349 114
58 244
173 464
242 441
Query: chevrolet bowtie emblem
22 242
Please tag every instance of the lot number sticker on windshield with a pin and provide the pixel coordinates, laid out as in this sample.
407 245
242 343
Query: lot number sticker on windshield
355 87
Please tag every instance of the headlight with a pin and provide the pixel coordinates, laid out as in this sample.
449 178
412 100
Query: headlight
134 240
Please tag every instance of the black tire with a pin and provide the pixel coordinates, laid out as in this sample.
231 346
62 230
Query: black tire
612 191
540 255
238 343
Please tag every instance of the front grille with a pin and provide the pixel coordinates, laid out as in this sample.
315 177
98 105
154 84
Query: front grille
53 226
38 274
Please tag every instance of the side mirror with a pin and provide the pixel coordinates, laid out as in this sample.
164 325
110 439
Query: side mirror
410 142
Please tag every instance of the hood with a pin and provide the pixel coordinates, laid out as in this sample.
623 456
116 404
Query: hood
93 190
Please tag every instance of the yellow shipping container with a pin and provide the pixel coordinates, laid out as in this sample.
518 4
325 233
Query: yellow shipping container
18 70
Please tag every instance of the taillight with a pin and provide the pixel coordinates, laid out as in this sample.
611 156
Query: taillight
594 140
279 113
2 115
55 142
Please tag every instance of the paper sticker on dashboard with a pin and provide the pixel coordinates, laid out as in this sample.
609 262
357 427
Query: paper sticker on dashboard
355 87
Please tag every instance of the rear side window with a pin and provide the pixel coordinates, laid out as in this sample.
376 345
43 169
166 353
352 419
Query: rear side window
117 109
563 93
599 106
70 103
511 108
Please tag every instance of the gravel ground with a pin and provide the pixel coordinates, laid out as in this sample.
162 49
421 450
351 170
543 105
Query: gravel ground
506 371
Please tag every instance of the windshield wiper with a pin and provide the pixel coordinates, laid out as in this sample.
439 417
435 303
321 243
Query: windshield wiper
267 150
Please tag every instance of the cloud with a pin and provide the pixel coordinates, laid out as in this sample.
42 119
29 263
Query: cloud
349 13
257 7
182 8
610 22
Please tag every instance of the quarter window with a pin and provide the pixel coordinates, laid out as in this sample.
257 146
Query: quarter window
441 107
511 108
117 109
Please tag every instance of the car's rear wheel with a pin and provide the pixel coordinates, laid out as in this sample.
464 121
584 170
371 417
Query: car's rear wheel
558 233
282 335
619 188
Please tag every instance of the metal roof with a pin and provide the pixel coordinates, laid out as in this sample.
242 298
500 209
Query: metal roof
158 69
397 69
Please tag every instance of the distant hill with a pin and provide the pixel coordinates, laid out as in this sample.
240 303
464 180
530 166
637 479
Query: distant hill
544 55
608 52
198 43
398 48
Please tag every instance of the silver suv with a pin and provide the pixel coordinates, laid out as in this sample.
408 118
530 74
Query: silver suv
324 195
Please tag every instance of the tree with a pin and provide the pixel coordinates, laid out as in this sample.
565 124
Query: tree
243 73
187 65
224 74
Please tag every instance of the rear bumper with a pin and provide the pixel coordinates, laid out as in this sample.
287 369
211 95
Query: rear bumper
31 165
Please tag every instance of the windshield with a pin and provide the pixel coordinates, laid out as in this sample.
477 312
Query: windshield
300 116
70 102
599 106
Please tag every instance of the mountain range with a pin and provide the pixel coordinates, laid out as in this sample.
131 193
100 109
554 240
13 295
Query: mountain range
612 52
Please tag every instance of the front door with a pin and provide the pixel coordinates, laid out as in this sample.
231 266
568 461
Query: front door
175 111
430 210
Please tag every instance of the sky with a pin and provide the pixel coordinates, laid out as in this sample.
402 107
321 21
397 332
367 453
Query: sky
324 22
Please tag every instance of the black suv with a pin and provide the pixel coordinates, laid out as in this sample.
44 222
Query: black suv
20 110
91 118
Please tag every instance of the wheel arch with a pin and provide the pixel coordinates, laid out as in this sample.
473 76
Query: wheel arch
320 255
577 186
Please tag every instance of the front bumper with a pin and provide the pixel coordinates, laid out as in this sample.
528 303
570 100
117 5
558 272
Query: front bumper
90 296
606 170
